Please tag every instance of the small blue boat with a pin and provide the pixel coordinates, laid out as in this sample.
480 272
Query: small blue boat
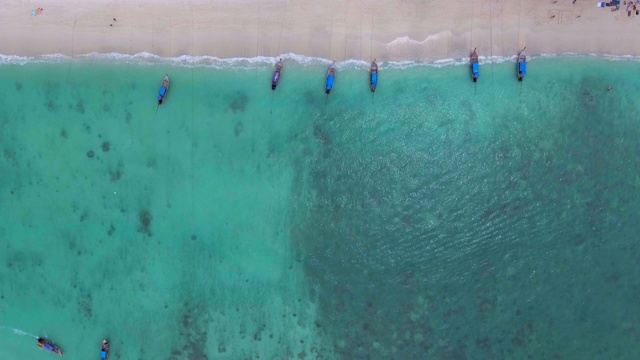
331 77
275 79
521 65
475 66
164 89
104 350
373 76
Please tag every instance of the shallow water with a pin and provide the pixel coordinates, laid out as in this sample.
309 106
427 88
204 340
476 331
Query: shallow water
436 219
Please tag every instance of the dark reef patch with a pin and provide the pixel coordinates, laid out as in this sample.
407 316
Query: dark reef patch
106 146
238 129
80 106
63 133
321 134
309 97
85 303
115 175
18 86
51 105
194 322
145 219
239 102
486 306
90 154
9 155
257 335
112 229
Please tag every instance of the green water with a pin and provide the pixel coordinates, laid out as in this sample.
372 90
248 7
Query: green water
436 219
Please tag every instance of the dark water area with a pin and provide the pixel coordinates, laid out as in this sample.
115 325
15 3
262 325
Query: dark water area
487 227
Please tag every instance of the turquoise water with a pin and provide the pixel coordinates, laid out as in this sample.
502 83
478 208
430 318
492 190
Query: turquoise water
436 219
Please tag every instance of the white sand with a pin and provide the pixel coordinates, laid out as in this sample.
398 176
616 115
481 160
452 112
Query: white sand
424 30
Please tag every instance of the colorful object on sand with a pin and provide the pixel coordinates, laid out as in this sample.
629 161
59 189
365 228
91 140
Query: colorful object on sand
37 11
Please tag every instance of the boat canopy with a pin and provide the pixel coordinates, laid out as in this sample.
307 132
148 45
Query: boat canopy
523 68
374 79
330 79
476 69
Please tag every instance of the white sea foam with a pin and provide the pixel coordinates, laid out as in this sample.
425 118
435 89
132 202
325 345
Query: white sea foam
18 331
145 58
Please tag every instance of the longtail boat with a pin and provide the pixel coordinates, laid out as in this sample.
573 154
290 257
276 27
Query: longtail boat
373 76
104 350
331 77
521 65
474 65
276 75
164 89
48 345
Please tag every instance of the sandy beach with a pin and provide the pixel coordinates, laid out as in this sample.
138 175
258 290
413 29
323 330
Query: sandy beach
396 30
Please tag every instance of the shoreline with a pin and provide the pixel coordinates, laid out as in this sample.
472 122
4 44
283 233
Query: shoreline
258 61
413 30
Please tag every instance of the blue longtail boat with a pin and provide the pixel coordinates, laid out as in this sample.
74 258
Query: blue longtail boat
475 66
164 89
331 77
521 65
373 76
